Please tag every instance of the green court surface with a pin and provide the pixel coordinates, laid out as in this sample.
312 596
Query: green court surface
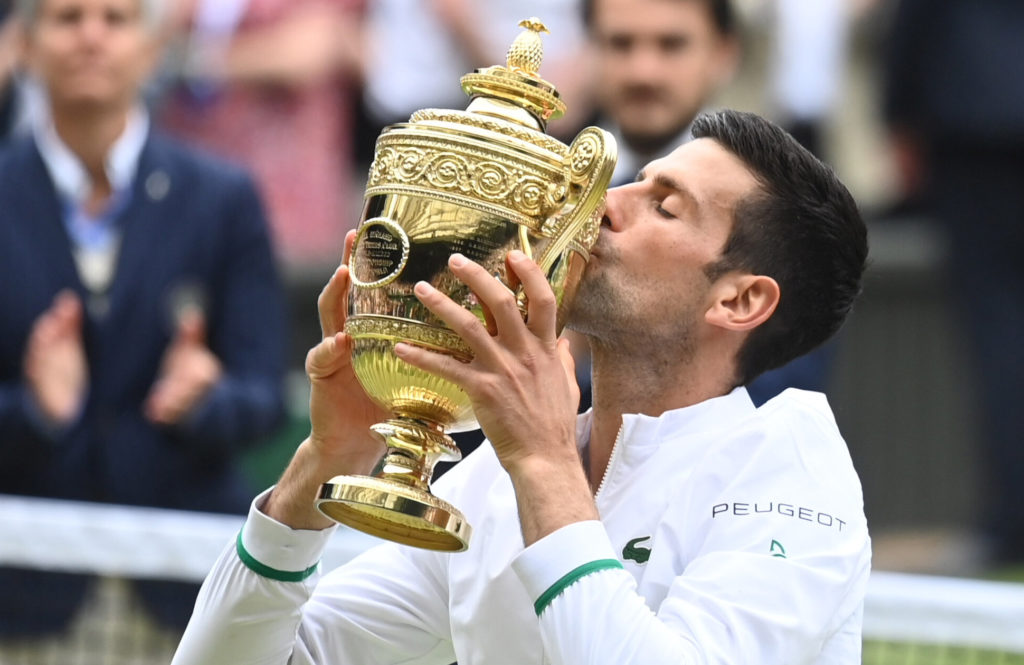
892 653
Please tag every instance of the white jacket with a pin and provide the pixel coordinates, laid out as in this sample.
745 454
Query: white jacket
728 535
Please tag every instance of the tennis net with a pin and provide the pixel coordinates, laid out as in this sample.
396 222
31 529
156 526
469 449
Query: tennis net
117 545
908 619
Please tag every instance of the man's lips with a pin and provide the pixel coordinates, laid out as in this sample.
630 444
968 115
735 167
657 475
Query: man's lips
595 250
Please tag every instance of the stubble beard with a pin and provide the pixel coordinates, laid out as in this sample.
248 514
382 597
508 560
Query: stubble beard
605 311
593 310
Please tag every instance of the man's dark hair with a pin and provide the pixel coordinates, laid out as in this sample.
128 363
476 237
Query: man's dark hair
722 14
801 227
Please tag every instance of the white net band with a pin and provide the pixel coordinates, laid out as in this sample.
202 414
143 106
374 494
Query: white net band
123 542
944 610
128 541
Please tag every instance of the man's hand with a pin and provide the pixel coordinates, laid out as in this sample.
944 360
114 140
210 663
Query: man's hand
55 364
340 411
188 371
522 386
340 440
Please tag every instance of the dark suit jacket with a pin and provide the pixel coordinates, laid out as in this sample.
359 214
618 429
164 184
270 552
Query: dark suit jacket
194 229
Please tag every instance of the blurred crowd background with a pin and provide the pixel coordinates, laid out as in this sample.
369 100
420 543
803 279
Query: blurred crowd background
918 105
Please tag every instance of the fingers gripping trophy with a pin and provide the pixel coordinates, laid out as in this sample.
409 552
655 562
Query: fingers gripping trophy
480 182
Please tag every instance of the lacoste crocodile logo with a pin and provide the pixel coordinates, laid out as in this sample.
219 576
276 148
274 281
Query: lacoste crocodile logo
638 554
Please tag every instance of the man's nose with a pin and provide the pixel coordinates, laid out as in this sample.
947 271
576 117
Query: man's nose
93 30
645 64
614 207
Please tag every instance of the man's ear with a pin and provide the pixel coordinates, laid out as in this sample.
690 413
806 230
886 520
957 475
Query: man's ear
742 301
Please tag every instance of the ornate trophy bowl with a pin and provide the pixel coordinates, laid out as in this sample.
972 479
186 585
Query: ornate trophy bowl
480 182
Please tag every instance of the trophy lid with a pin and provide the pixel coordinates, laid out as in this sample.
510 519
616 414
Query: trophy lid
506 91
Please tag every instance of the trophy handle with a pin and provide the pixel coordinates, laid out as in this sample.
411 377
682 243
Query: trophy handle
589 163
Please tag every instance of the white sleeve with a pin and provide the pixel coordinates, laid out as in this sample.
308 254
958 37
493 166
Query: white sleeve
247 617
730 604
264 603
587 604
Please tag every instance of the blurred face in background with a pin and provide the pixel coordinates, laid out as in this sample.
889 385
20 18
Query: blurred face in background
659 62
90 54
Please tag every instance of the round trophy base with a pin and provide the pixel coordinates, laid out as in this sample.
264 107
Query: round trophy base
394 511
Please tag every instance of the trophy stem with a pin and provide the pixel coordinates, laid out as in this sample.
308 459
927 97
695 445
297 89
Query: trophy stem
396 503
415 446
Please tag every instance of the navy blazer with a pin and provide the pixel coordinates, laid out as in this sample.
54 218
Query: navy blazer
194 229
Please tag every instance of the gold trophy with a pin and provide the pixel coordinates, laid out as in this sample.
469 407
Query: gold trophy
480 182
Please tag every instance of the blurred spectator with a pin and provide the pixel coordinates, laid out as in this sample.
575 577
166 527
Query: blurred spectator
954 100
269 84
141 320
808 61
660 63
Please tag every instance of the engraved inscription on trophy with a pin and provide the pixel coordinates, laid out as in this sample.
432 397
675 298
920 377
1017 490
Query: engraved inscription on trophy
380 253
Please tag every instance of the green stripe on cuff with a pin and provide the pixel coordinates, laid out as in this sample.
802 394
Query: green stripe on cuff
266 571
558 587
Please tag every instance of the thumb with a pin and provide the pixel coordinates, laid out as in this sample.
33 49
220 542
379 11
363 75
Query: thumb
67 306
191 327
328 356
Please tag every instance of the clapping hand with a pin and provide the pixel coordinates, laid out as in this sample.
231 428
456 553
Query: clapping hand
189 370
56 369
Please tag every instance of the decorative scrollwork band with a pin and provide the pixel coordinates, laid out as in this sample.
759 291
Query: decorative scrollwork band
385 327
510 183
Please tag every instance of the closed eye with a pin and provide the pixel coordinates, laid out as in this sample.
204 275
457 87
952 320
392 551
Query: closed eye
661 210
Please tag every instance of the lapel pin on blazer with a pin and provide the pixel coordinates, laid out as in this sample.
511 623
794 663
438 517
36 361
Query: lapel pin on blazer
158 184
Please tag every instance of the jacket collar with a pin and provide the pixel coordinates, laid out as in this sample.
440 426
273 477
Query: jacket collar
66 170
711 414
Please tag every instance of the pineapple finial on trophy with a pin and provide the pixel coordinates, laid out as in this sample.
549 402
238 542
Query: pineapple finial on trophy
526 52
515 91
